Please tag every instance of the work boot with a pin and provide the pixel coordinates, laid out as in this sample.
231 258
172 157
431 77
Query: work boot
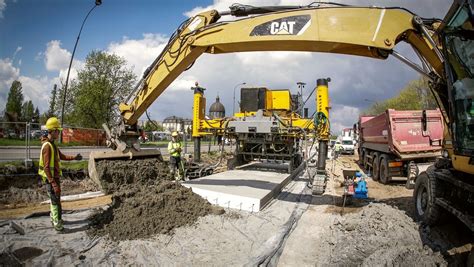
59 228
57 225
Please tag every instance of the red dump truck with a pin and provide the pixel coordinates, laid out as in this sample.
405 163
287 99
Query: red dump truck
400 143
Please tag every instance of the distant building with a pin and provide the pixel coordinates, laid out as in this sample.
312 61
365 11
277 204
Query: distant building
173 123
217 110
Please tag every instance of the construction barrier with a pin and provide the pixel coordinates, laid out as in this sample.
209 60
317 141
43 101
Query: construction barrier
84 136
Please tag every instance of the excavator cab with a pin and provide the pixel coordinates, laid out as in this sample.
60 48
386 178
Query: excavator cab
458 40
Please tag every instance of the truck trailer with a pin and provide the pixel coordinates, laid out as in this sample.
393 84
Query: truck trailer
400 143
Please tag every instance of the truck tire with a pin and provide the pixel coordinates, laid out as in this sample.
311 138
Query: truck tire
376 166
383 170
424 195
361 157
366 160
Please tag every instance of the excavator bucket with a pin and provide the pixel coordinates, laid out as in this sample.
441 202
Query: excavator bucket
99 157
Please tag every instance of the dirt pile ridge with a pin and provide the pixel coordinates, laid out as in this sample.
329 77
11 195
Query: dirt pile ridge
141 211
146 202
381 235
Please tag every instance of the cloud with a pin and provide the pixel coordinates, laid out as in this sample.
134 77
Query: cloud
55 57
3 6
139 53
18 49
343 117
8 73
35 89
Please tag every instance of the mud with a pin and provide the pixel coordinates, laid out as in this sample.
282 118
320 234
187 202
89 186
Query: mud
115 174
141 211
20 185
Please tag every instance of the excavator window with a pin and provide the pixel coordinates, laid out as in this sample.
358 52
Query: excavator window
459 41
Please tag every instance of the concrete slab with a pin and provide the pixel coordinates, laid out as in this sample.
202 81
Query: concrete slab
245 189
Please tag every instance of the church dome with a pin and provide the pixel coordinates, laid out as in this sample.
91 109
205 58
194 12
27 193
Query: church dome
217 110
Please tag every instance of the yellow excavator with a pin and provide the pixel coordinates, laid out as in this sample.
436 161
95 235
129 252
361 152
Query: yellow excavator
445 49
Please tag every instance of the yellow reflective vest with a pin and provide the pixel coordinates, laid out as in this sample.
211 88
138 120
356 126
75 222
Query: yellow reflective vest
172 146
41 171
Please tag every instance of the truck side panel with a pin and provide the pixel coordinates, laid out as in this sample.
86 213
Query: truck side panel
402 133
407 135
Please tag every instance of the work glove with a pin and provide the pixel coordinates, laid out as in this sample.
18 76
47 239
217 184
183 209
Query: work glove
78 156
178 149
56 188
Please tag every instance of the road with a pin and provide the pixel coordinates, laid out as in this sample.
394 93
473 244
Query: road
18 153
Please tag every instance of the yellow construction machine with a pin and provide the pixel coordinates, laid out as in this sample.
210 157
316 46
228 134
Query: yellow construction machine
269 125
445 49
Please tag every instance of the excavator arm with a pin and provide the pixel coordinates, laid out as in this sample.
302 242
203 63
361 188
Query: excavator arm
362 31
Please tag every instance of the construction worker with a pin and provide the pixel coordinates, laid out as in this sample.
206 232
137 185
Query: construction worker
174 148
337 149
50 169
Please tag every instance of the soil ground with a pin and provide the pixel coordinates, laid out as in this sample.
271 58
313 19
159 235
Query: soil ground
20 185
296 229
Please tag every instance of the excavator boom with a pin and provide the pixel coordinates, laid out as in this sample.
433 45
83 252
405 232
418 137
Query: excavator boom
362 31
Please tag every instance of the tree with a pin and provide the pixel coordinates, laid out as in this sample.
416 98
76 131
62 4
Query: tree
52 102
56 111
14 100
152 126
100 87
415 96
36 116
27 111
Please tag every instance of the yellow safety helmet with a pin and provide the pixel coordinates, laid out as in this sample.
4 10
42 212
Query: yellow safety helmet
53 124
174 134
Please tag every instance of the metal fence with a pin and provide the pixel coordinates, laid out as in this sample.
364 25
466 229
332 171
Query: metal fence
21 141
31 132
18 136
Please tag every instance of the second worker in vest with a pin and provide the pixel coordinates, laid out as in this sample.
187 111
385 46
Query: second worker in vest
50 170
174 148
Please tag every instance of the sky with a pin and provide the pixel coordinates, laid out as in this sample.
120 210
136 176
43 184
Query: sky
37 40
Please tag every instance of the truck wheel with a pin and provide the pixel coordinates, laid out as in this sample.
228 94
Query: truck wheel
383 174
366 160
361 157
424 195
376 166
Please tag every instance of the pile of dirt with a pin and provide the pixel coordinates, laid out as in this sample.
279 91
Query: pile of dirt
380 235
146 201
115 174
140 211
19 185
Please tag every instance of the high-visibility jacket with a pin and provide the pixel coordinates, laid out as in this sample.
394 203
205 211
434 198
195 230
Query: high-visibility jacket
41 171
172 148
338 147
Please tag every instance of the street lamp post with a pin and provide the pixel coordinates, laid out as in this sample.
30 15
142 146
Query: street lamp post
97 3
233 103
301 87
